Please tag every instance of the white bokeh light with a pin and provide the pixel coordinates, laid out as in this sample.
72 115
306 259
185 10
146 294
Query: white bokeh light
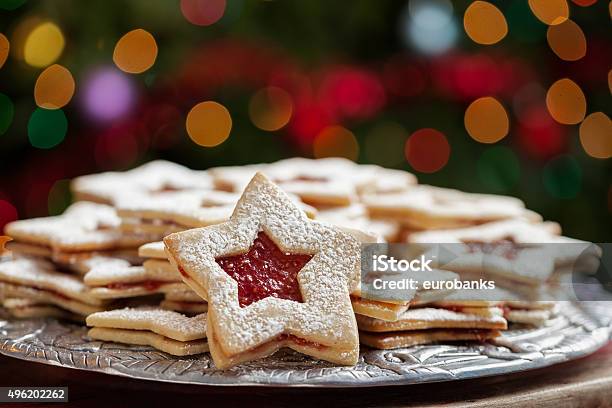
428 26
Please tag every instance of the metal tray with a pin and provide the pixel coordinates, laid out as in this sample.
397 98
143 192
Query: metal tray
580 329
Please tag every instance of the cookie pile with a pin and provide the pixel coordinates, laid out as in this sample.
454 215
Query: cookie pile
241 261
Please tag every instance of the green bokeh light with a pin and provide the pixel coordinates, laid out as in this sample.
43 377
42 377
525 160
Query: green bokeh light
563 177
59 197
499 169
7 111
47 128
11 4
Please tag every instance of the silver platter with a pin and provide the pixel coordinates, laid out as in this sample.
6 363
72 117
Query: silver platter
580 329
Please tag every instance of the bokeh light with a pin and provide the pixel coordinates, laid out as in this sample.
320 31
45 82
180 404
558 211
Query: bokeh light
135 52
610 79
584 3
427 150
384 144
47 128
498 169
44 45
108 94
484 23
539 134
209 124
336 141
429 26
270 108
566 102
54 87
116 149
11 4
7 110
563 177
486 120
4 49
59 197
550 12
203 12
8 213
567 40
596 135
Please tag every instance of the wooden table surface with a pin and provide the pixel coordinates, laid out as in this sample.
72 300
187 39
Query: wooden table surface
582 383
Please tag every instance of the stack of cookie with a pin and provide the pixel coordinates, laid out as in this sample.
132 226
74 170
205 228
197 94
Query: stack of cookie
51 255
238 240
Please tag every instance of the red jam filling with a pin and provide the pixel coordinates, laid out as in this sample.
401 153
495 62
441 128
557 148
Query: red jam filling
51 291
506 248
265 271
182 272
149 285
300 341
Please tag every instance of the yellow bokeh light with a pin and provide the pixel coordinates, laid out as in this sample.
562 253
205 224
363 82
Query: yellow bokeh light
208 124
486 120
566 102
567 40
135 52
270 108
44 45
4 49
596 135
54 87
336 141
550 12
484 23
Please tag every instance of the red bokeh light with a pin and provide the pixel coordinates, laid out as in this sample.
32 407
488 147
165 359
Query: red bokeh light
539 135
427 150
8 213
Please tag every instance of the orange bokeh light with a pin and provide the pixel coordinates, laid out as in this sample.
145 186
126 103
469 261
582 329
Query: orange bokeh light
484 23
567 40
270 108
486 120
4 49
427 150
550 12
336 141
566 102
54 87
596 135
135 52
208 124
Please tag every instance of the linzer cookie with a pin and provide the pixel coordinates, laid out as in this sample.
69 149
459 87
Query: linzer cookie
430 325
273 278
83 227
512 250
164 330
152 177
39 281
427 207
110 281
184 301
23 308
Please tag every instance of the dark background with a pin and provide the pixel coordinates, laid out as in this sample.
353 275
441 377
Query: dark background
303 46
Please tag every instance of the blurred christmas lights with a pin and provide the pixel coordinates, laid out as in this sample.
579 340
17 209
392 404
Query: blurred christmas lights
429 26
203 12
484 23
336 141
270 108
427 150
486 120
135 52
498 169
567 40
550 12
562 177
43 45
47 128
208 124
54 87
384 144
107 94
566 102
8 213
4 49
596 135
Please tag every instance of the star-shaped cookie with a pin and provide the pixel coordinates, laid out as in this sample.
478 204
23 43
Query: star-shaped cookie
273 278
